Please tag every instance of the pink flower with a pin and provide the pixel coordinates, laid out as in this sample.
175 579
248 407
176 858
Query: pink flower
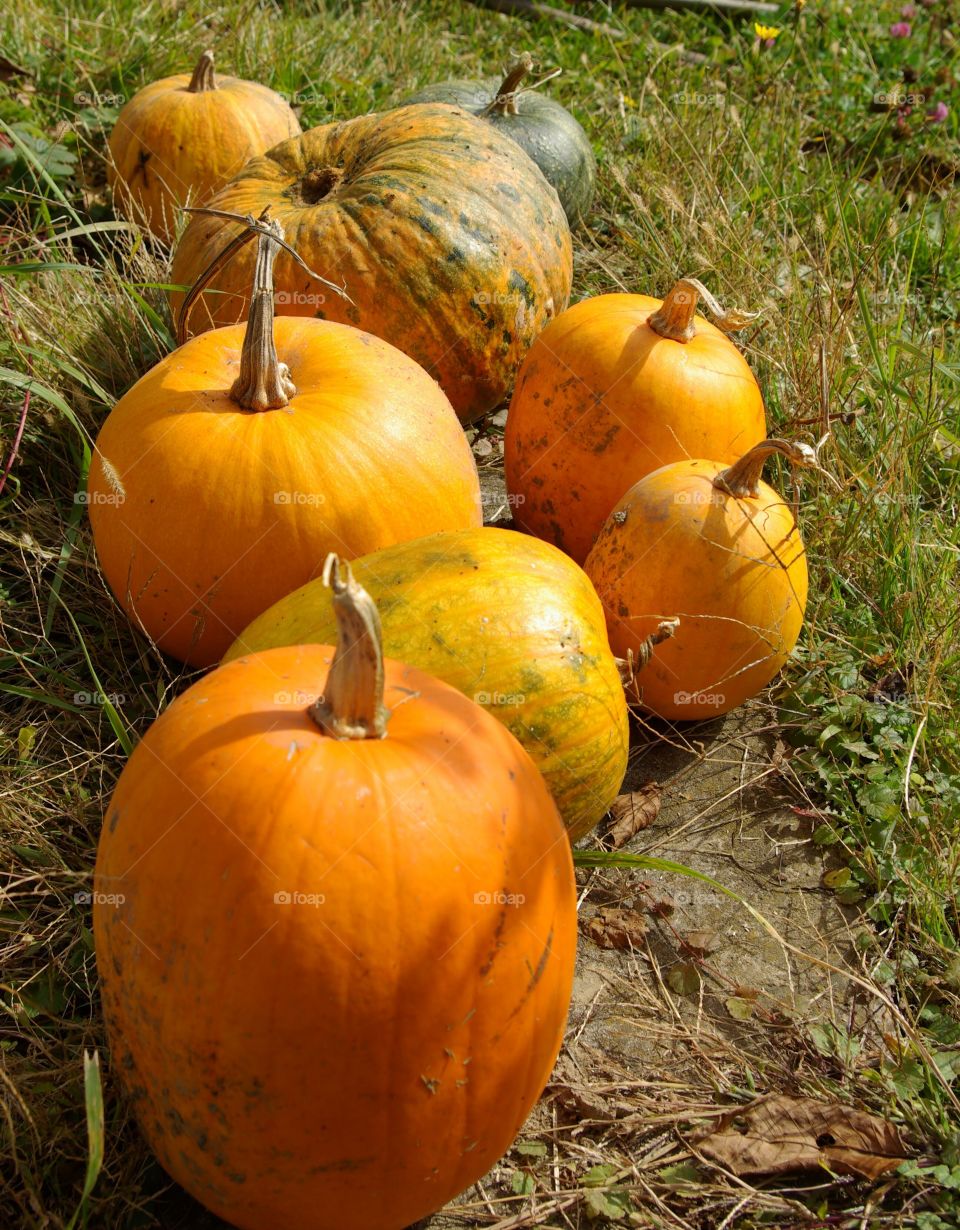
939 113
908 10
900 29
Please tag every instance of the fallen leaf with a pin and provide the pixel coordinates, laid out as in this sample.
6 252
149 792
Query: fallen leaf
584 1102
684 979
631 813
700 943
778 1135
739 1009
613 928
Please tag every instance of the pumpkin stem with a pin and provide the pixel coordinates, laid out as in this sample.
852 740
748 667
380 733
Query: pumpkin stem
674 318
634 662
264 382
204 78
742 479
352 704
505 102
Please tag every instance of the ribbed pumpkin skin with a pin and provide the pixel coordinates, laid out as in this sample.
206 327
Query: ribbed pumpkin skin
733 570
205 513
509 621
169 144
446 236
358 1061
602 400
542 128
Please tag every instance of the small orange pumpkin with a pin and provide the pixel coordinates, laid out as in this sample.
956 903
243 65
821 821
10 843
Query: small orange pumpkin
218 485
614 388
184 137
335 943
719 549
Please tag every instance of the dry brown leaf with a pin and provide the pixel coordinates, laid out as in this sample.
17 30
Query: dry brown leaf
632 813
778 1135
613 928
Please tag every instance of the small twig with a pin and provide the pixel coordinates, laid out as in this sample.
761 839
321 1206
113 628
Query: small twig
16 440
254 226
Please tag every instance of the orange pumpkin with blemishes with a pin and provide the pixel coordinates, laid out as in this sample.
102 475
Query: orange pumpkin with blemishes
719 550
182 138
335 944
616 387
447 238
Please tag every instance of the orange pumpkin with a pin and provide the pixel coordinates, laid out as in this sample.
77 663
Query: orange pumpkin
448 239
335 943
511 622
212 493
614 388
183 137
719 549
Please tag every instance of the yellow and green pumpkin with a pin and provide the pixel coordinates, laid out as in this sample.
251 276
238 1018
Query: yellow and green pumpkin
511 622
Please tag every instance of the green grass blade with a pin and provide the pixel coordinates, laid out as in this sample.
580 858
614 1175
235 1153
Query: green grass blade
93 1099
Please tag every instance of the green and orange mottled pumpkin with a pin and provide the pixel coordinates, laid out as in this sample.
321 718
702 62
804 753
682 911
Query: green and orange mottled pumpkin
335 926
446 236
182 138
511 622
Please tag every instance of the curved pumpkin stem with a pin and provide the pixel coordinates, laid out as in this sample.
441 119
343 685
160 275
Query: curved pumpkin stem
505 102
264 382
674 318
742 479
352 705
636 662
204 78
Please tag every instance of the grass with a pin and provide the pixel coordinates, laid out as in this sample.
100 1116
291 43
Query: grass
775 174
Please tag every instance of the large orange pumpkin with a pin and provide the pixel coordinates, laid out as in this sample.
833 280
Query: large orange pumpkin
614 388
719 549
512 623
335 944
184 137
223 478
448 239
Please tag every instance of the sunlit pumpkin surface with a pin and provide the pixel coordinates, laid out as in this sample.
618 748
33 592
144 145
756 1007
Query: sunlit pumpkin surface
204 514
512 623
335 975
732 569
602 400
446 236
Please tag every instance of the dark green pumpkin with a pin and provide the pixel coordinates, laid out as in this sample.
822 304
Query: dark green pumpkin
539 125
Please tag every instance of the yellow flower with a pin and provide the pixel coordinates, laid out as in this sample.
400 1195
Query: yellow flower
765 32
